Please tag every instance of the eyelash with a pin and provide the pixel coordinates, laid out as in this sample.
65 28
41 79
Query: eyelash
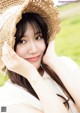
23 41
38 38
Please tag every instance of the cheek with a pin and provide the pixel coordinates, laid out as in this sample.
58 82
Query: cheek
42 47
20 50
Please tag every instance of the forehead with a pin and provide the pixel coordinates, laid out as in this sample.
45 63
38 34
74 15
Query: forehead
34 26
32 29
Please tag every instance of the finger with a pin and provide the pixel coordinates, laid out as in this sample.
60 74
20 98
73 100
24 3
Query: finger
5 61
9 61
51 43
7 56
8 51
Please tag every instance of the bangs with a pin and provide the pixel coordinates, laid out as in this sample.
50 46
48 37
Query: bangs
22 26
35 26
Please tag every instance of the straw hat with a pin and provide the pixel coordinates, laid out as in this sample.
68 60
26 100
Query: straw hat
11 13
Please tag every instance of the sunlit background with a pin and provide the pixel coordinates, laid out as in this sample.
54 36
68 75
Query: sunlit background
67 42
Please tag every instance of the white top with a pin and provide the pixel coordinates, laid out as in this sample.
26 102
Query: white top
11 94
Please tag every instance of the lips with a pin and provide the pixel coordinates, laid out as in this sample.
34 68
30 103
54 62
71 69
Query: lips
32 59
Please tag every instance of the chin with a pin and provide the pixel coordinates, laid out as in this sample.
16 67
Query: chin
37 65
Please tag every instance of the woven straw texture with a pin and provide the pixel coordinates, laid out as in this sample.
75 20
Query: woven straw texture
11 13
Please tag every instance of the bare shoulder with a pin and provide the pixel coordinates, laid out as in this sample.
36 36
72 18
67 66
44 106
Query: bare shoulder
22 108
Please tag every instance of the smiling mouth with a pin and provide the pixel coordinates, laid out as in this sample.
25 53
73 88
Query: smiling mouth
33 59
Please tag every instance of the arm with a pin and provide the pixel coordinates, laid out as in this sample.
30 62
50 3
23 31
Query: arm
50 101
69 77
21 108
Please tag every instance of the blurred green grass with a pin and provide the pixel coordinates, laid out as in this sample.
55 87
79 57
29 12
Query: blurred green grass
68 6
67 42
3 79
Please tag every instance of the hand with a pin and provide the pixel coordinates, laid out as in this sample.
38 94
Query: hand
50 54
15 63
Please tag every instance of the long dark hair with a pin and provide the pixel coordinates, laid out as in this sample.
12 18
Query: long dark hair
37 22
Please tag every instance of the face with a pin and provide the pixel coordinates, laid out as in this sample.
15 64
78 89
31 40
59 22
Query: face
31 46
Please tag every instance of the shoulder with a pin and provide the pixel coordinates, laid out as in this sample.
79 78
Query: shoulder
69 62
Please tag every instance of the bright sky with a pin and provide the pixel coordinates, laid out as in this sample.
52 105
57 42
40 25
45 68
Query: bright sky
59 2
55 1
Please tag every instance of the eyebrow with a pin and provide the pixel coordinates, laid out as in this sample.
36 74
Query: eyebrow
38 32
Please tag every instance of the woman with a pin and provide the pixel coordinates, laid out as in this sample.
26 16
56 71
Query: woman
39 75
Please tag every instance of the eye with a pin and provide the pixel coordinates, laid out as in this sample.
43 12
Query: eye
22 41
38 38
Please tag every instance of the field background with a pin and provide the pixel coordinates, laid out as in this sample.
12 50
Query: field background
67 42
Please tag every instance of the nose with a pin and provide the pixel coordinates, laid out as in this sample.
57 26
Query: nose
33 47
